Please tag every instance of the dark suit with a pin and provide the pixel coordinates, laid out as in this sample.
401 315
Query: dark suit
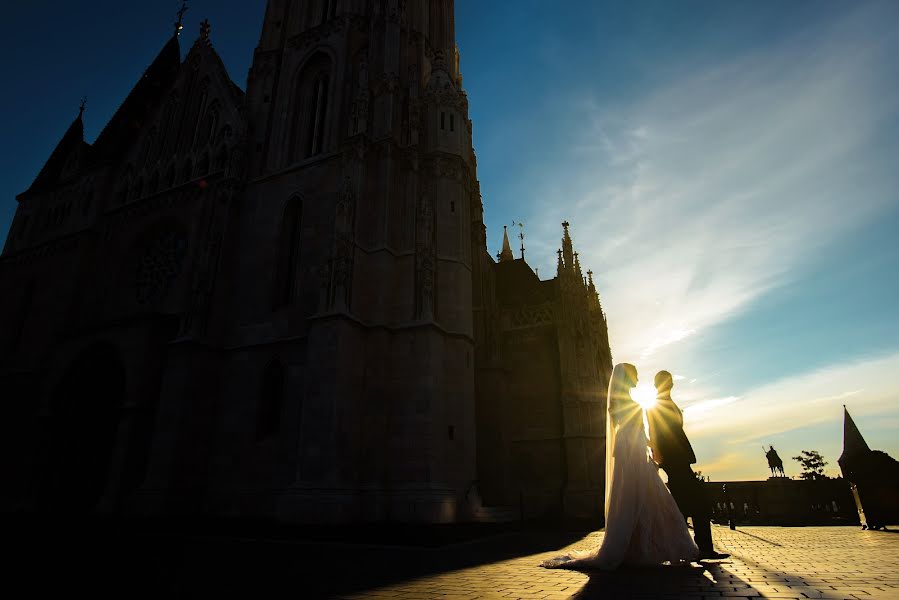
672 448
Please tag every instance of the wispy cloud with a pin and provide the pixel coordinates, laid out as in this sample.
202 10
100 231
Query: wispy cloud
801 412
697 409
800 401
712 190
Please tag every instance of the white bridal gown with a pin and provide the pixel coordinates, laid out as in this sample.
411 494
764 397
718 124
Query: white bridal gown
643 523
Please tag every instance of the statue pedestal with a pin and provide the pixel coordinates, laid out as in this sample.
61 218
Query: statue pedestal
779 479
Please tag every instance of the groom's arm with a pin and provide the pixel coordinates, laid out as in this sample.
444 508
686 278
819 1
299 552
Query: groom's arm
656 454
651 417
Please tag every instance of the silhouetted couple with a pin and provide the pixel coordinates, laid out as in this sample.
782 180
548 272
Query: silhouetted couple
645 522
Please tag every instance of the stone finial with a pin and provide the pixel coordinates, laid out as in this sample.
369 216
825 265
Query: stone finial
179 23
82 106
205 28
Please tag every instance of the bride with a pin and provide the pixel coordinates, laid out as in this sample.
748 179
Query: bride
643 523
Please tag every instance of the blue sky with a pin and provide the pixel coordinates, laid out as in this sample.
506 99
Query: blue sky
730 171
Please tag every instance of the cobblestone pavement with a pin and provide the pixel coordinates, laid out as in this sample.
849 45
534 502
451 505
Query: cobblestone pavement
100 562
768 562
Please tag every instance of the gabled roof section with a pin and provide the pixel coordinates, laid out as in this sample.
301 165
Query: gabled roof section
71 147
203 45
140 103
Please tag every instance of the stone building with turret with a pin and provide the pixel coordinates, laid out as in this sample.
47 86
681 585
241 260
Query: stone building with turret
279 302
873 476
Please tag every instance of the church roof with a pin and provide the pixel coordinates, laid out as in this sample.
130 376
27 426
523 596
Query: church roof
517 284
126 124
854 445
72 142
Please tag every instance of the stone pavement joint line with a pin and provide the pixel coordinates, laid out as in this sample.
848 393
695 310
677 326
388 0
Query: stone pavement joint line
766 562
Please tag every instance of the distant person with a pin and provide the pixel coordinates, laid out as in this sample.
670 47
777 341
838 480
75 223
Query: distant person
673 452
643 523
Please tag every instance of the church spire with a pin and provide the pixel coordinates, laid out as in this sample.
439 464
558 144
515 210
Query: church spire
592 294
855 448
71 143
853 443
567 250
506 253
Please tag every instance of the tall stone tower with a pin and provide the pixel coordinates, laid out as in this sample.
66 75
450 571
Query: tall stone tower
361 168
280 303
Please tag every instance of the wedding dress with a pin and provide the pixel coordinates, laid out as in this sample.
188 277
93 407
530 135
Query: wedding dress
643 523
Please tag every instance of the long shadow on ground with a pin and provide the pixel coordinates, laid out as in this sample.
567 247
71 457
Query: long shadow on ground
695 580
249 560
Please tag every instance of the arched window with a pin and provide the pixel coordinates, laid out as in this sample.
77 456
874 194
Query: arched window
224 135
310 109
288 254
329 10
210 125
271 401
194 122
169 122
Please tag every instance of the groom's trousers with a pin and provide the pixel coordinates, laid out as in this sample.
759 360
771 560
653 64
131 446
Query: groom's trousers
692 500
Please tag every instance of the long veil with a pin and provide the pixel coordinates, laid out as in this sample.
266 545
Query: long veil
623 498
626 448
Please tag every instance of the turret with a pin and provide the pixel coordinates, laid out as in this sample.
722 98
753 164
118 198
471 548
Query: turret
506 253
855 448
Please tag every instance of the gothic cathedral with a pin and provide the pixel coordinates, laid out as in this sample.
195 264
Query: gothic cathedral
278 302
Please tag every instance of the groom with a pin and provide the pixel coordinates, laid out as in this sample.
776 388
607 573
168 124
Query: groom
673 452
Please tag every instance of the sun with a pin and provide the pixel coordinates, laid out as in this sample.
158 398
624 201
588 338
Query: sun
644 395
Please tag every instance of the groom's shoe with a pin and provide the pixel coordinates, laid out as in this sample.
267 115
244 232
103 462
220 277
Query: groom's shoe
712 555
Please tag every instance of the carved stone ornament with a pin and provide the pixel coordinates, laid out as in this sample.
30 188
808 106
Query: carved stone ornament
318 34
158 267
388 83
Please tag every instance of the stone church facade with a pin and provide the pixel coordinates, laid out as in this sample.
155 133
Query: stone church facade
279 302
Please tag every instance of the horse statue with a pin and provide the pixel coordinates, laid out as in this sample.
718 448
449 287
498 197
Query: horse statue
774 462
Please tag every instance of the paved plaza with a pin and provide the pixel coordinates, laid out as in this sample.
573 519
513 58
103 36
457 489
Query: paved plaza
452 564
769 562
